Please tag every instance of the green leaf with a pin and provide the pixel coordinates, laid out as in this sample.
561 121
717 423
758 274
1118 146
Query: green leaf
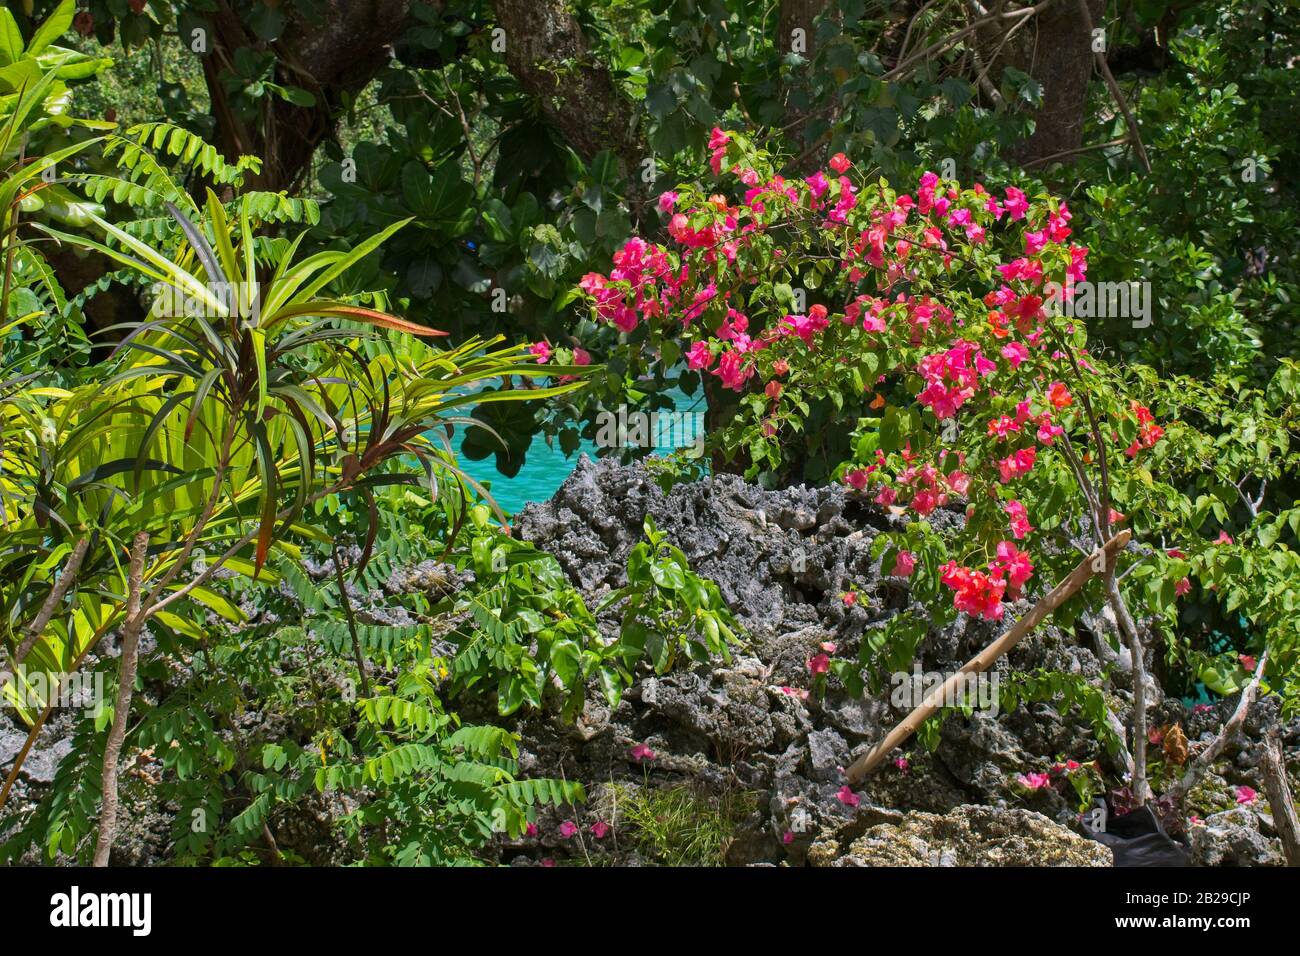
11 38
566 661
55 25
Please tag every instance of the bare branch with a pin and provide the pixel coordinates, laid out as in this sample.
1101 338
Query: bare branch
122 709
52 600
1205 759
1116 93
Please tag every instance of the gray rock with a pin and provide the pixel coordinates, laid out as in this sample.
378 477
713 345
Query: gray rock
1233 838
968 836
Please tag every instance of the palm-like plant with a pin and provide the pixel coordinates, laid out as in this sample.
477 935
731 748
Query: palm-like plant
244 396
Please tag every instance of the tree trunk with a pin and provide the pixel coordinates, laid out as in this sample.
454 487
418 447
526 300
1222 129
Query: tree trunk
799 15
577 97
329 56
131 627
1056 50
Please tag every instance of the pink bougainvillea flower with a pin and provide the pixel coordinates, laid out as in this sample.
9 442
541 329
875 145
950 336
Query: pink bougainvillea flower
1013 564
787 837
548 862
828 646
1246 795
1194 820
819 664
699 355
541 351
568 829
1021 463
1224 538
904 564
795 692
1016 205
599 829
804 326
733 371
850 598
818 184
847 797
667 201
581 356
1202 709
1248 662
1155 735
641 753
840 163
1183 587
530 830
1020 526
718 144
976 593
1047 432
1034 781
902 763
1002 426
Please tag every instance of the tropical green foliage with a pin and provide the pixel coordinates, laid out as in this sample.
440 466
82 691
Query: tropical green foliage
245 331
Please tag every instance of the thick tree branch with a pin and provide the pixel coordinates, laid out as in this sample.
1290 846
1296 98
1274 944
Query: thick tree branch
331 56
131 628
547 53
1278 789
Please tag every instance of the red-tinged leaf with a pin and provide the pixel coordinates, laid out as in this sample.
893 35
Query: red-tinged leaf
270 485
357 313
264 532
35 189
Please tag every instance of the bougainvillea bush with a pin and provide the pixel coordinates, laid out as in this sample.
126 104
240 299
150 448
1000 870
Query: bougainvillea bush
917 346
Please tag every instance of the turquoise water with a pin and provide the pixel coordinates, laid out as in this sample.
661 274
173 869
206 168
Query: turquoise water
545 466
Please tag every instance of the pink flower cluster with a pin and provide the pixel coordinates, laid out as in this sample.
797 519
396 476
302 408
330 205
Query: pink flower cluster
952 377
975 592
980 593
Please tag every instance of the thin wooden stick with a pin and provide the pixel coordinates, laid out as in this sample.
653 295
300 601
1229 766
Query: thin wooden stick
1098 562
1279 799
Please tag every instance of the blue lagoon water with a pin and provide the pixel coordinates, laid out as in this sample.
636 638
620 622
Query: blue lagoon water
545 466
